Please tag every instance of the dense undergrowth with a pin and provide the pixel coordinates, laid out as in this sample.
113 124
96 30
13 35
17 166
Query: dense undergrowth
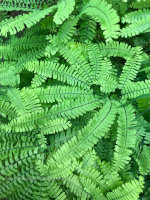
74 100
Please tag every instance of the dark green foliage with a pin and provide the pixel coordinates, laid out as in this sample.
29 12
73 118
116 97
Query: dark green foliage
74 100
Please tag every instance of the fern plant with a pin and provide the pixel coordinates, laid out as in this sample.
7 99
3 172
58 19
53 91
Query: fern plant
74 100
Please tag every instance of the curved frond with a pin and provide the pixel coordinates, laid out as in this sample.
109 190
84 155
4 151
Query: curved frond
85 139
103 13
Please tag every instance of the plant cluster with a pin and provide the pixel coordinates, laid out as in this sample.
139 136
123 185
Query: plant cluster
74 100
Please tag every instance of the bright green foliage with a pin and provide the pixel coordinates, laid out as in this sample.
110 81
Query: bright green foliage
102 13
65 8
74 100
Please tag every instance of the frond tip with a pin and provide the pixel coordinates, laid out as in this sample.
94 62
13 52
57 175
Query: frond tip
65 8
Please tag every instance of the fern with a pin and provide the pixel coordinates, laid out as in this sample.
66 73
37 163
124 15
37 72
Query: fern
125 138
14 26
65 7
136 89
129 190
102 13
74 100
87 29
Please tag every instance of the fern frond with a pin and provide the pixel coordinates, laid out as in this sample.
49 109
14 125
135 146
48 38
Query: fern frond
130 69
130 190
106 78
60 72
85 140
143 103
136 16
73 183
60 93
27 5
95 59
125 138
6 110
144 161
23 102
141 5
67 110
103 13
65 8
38 80
77 61
9 76
133 90
92 188
26 43
111 178
87 29
66 30
14 25
132 55
142 26
95 177
117 49
64 35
